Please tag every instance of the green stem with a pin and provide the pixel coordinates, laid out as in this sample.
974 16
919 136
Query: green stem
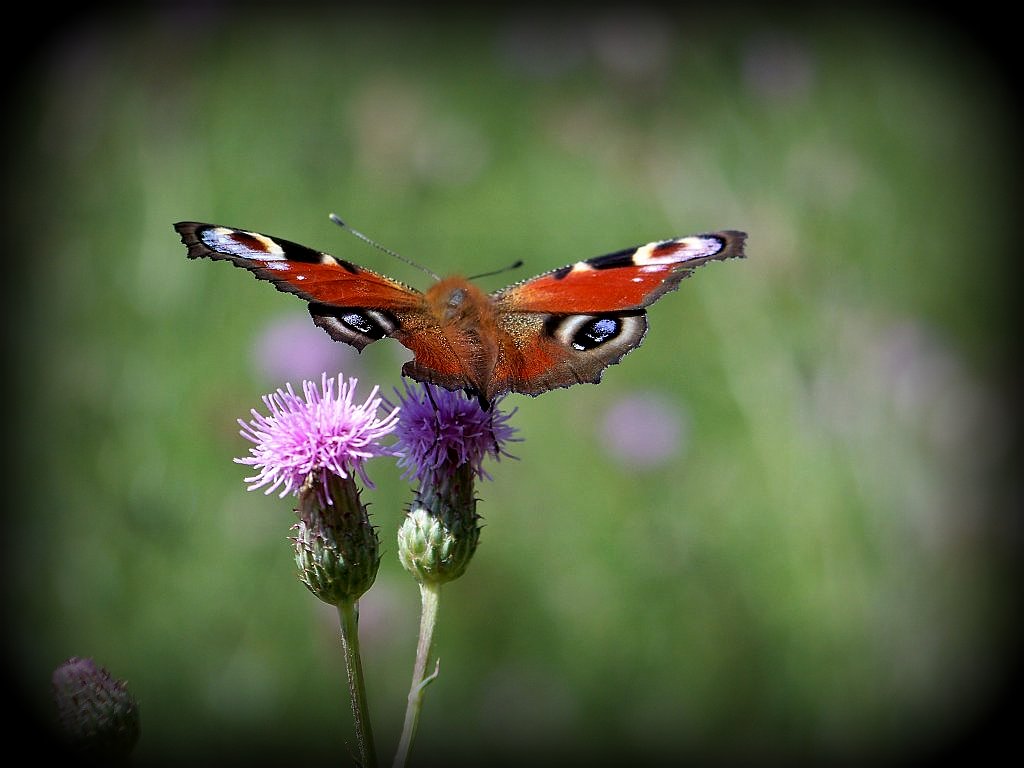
430 595
348 612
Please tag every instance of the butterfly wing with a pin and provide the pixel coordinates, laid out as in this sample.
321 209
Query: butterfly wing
352 304
566 326
630 279
560 328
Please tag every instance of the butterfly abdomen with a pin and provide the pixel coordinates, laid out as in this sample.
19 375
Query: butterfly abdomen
456 339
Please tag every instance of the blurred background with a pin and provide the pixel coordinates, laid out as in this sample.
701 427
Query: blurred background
778 531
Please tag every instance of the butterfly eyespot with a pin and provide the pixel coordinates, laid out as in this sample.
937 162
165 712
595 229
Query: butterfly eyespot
596 332
584 332
360 323
357 327
234 242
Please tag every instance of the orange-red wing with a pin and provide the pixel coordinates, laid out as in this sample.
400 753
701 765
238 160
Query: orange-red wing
293 268
625 280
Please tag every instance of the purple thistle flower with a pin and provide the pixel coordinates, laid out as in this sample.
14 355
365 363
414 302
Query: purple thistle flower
290 347
440 431
443 438
324 433
644 430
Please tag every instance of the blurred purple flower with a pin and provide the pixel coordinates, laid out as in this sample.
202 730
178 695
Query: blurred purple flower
291 347
634 45
778 69
644 430
324 433
402 137
540 46
440 431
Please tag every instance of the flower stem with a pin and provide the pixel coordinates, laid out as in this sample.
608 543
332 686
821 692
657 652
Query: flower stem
348 612
430 595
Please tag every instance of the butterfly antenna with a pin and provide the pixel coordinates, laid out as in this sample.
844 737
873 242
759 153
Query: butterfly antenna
337 220
514 265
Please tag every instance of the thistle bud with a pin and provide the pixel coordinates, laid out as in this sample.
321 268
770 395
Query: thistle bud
96 714
337 550
439 535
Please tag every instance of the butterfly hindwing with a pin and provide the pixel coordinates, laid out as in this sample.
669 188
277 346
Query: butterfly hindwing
569 324
546 351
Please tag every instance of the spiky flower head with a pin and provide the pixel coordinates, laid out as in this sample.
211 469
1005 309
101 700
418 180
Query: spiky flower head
443 439
96 714
440 431
326 432
316 446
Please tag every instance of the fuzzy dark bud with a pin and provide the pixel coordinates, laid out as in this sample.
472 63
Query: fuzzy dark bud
96 714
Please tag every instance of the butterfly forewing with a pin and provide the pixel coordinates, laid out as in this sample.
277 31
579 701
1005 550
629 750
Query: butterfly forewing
629 279
312 275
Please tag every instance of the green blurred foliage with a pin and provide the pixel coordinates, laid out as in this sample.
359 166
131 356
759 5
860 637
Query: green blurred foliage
815 571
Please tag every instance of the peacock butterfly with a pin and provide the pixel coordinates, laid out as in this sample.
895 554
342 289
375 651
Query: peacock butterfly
560 328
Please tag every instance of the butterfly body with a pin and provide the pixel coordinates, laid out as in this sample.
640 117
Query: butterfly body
560 328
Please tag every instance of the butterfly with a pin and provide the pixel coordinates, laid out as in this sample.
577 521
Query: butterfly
560 328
